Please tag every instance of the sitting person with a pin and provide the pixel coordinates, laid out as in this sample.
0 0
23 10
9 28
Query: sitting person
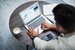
65 23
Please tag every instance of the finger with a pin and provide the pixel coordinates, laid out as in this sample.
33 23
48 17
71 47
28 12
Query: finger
30 29
42 26
44 23
38 30
28 33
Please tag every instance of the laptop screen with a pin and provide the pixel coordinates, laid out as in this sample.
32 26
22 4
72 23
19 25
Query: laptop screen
30 13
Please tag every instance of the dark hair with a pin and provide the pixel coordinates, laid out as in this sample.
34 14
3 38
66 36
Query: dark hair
65 16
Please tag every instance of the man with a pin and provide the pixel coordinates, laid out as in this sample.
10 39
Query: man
65 23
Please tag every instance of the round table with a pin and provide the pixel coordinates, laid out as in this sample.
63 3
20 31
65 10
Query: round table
15 21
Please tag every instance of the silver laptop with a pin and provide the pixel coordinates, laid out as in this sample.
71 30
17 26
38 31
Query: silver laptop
31 16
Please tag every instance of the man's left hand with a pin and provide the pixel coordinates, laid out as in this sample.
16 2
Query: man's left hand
32 32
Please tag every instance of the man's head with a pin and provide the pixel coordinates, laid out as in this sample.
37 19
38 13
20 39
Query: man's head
65 17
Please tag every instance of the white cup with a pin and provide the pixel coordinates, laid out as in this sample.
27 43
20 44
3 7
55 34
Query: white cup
17 30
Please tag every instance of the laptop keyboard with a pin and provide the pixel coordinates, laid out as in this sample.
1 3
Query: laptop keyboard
36 22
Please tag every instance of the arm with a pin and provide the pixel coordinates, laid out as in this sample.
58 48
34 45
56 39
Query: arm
61 44
47 26
44 45
39 44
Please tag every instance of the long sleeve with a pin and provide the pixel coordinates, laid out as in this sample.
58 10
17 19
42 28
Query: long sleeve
44 45
62 43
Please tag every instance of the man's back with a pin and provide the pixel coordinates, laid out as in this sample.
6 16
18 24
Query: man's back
62 43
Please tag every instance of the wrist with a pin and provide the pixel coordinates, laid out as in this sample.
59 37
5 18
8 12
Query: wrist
52 27
33 38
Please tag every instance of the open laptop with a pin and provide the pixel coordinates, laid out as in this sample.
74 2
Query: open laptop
31 16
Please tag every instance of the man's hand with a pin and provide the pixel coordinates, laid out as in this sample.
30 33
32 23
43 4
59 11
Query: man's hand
32 32
46 26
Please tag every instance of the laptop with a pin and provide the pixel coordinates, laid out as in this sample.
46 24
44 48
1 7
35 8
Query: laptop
31 16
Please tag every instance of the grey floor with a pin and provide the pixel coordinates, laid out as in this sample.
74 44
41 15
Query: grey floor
7 40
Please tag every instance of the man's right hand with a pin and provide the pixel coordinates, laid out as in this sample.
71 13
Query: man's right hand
46 26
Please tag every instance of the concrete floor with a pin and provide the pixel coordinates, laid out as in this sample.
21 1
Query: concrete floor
7 41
